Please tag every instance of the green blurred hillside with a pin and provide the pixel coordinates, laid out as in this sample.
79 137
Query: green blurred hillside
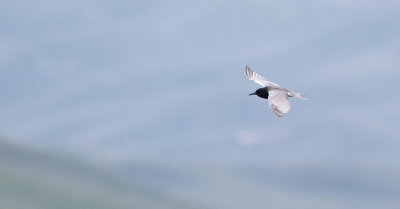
30 179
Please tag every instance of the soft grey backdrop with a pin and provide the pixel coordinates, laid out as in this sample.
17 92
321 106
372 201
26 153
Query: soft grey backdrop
162 83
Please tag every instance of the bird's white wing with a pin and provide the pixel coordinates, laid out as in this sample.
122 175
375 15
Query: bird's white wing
278 101
253 76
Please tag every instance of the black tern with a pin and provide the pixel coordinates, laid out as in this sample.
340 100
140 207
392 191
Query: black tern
278 97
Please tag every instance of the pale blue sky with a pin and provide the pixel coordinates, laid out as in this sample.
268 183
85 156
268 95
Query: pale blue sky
162 83
157 79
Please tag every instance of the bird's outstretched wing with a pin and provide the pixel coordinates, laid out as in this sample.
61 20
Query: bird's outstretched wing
253 76
278 101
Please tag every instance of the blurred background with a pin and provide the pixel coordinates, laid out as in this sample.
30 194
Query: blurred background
144 104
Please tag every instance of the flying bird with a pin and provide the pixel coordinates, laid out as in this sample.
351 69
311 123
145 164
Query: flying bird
278 97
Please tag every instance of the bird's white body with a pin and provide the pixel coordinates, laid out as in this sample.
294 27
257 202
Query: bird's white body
277 96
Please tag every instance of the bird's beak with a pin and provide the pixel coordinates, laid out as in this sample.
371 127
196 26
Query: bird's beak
252 94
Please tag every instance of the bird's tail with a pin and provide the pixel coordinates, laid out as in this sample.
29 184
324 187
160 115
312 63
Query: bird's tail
297 95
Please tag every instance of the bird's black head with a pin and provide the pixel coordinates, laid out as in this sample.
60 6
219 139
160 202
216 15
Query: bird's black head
262 92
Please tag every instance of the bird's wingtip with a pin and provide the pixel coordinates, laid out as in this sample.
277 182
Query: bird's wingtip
248 72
